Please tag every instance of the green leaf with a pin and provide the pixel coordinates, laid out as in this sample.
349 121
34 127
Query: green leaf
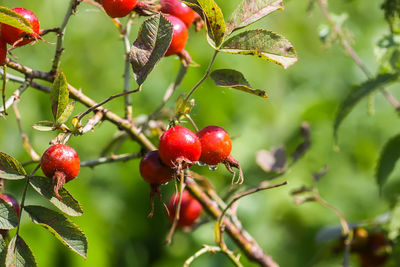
249 11
44 126
3 250
236 80
19 254
12 18
11 176
68 205
152 42
263 44
59 95
62 227
10 164
392 14
387 160
8 216
358 93
215 20
66 113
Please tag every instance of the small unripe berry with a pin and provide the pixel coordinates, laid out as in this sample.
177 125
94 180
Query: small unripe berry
3 51
179 145
178 9
216 145
118 8
180 36
12 201
153 170
13 36
60 163
190 209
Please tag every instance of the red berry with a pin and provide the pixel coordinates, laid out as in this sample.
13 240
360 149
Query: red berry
179 36
190 209
60 163
178 9
3 51
216 145
179 145
118 8
12 201
11 34
153 170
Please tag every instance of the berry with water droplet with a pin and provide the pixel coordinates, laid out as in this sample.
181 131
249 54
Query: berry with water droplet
18 37
190 209
178 9
153 170
118 8
216 145
60 163
179 145
12 201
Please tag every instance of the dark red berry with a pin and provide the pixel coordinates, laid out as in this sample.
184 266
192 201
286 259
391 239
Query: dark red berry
179 145
190 209
153 170
12 201
3 51
60 163
178 9
179 36
216 145
18 37
118 8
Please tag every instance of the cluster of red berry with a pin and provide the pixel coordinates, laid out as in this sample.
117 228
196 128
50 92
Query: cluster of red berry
17 37
180 148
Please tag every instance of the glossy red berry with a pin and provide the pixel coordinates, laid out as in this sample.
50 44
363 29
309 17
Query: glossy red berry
190 209
180 36
118 8
216 145
3 51
60 163
153 170
179 145
13 35
12 201
178 9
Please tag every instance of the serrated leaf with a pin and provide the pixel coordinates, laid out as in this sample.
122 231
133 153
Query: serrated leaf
66 113
11 176
358 93
152 42
263 44
3 250
59 95
235 80
8 216
62 227
249 11
10 164
387 160
44 126
68 205
19 254
215 20
12 18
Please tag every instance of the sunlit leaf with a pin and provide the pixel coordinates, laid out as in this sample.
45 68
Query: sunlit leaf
66 113
10 164
358 93
68 205
44 126
8 216
12 18
387 160
234 79
263 44
249 11
11 176
59 95
19 254
215 20
62 227
152 42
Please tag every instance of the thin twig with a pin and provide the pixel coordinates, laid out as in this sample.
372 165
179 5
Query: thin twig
211 249
178 207
3 90
112 158
16 94
127 72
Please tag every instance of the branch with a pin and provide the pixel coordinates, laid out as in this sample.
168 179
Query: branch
113 158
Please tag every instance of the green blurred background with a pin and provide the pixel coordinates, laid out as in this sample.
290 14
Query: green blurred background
115 198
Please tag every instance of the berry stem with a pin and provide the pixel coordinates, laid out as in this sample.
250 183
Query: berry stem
3 89
58 183
204 77
127 77
24 196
